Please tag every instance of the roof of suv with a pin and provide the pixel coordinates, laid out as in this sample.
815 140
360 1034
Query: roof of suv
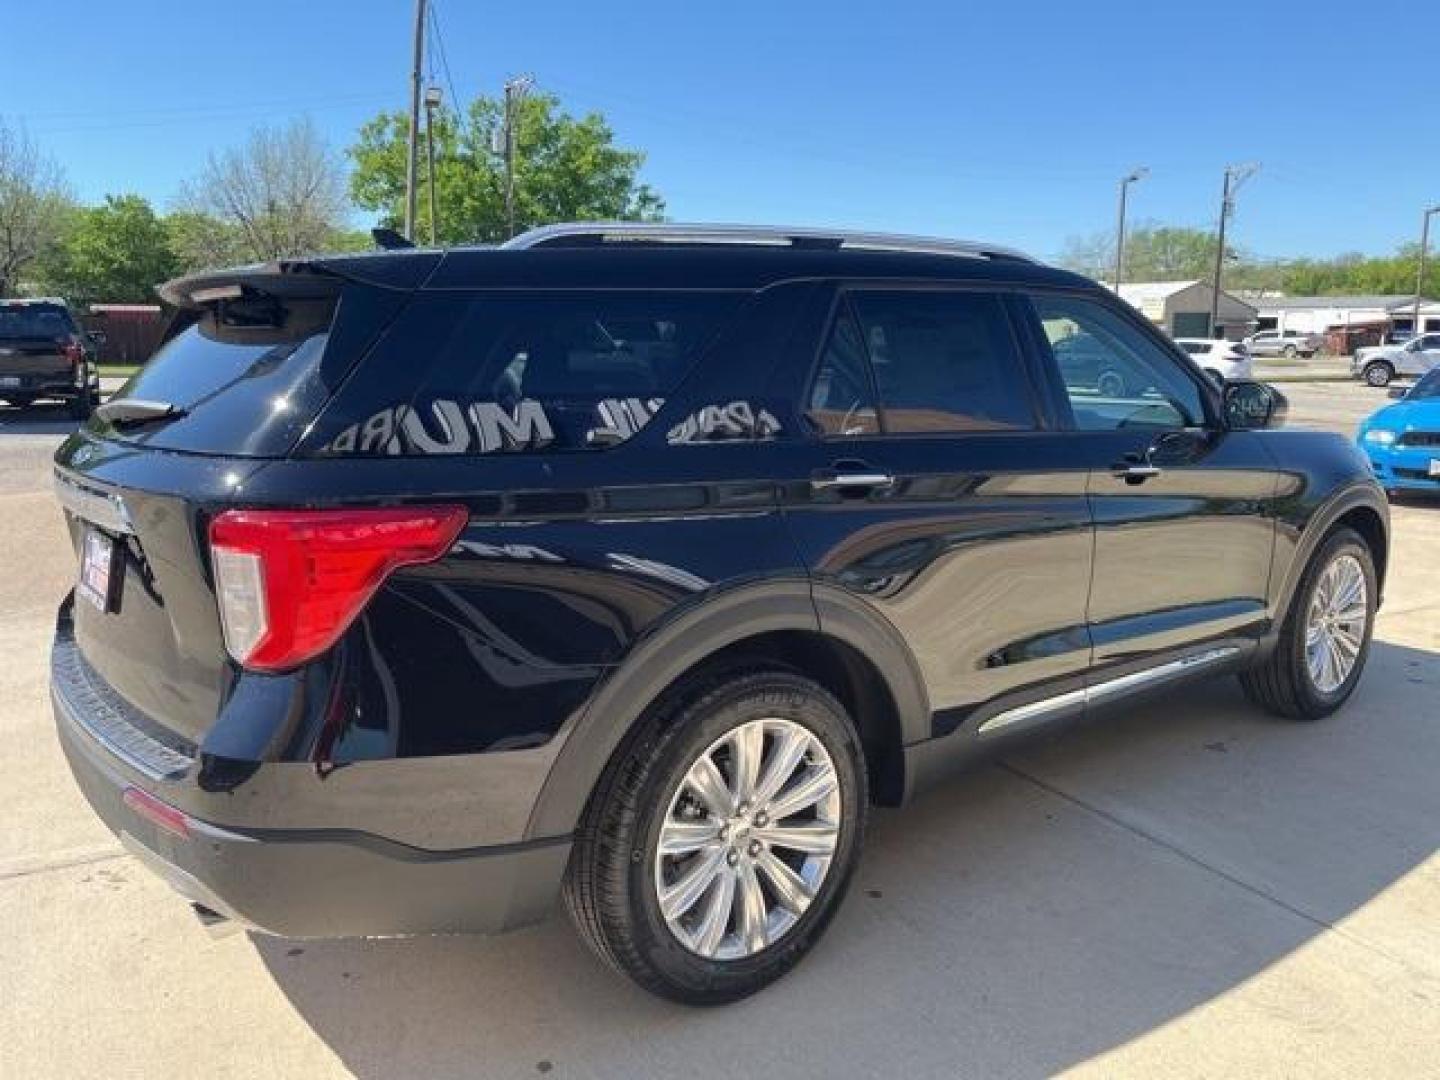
630 255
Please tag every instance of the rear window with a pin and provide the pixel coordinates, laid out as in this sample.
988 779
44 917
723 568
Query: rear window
523 372
19 321
248 376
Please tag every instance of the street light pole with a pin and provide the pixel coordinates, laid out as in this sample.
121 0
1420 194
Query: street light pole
432 102
412 145
1138 174
515 91
1420 270
1235 175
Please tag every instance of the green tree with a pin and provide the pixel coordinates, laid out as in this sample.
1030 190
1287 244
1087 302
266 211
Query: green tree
566 169
1152 253
116 252
203 242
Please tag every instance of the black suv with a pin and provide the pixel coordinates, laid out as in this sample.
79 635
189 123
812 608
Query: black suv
634 563
44 354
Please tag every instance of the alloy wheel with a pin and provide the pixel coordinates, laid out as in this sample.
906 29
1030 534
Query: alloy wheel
1335 626
748 839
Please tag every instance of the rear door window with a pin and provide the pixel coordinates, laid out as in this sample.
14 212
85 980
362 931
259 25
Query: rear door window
525 372
944 361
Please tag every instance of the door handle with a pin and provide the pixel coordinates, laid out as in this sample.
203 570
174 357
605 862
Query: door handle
1135 472
832 479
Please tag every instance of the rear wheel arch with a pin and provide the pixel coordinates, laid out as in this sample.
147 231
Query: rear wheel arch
772 625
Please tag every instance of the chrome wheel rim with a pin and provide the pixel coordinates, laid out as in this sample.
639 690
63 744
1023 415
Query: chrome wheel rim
1335 628
748 838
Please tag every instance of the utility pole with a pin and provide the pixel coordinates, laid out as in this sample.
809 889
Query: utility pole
1420 270
1235 176
432 102
1138 174
515 91
413 145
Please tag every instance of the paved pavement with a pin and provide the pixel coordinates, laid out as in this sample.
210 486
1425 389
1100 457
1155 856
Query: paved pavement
1190 889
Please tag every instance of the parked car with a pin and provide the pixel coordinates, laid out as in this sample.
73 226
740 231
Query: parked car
1223 361
44 354
633 563
1085 362
1286 343
1402 439
1378 364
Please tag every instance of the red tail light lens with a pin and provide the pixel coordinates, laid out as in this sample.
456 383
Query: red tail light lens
74 352
290 582
160 814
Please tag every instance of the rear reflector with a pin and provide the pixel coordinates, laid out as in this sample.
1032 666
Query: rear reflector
160 814
290 582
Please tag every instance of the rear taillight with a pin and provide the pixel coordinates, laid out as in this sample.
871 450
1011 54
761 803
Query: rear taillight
290 582
74 352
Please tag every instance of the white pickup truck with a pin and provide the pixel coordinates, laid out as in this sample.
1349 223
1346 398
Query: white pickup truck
1378 364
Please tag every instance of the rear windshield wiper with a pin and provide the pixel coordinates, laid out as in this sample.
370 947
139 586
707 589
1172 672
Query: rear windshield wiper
132 412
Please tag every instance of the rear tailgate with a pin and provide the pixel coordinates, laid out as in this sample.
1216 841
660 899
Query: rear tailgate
245 377
36 340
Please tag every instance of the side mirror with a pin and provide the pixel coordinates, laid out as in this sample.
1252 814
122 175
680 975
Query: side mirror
96 337
1396 393
1252 405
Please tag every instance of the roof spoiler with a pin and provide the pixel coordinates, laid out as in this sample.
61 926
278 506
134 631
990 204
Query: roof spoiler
322 275
284 278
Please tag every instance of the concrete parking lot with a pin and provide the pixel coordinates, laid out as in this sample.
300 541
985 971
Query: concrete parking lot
1190 889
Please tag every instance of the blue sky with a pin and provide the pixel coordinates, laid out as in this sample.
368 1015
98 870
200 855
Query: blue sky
1010 122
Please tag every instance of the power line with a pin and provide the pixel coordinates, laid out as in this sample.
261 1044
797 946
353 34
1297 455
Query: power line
444 59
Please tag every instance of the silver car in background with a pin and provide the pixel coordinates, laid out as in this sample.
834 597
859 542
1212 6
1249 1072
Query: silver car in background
1378 364
1286 343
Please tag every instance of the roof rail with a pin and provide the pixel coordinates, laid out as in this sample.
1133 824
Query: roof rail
588 233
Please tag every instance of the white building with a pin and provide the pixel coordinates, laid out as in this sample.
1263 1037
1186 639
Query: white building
1182 308
1317 314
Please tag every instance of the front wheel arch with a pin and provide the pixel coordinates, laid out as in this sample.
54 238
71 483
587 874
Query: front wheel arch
1360 507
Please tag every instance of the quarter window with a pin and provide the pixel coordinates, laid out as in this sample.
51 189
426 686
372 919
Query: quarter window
528 372
1114 374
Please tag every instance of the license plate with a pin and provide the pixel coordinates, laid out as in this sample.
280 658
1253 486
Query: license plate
9 380
1435 466
97 569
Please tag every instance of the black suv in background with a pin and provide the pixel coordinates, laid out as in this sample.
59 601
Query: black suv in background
44 354
634 563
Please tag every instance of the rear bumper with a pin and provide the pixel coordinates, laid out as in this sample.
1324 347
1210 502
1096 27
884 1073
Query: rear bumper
315 883
58 384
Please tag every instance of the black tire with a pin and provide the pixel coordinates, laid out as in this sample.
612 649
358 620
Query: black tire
1111 383
1282 683
1378 373
1291 352
82 404
610 886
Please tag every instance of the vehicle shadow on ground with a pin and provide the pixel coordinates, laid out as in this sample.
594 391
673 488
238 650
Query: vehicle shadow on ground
1039 911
